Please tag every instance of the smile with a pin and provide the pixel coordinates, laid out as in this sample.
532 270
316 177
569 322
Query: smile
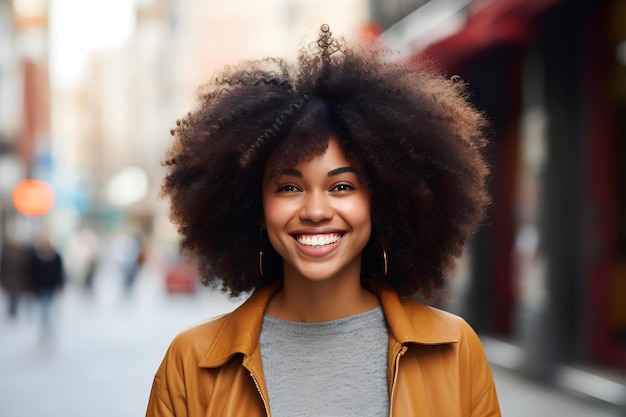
318 241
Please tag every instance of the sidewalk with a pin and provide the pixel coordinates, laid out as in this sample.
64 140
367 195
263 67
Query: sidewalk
576 393
105 351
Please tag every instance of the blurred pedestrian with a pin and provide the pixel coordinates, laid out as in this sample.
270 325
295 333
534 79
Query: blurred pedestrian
364 175
81 258
128 258
46 278
136 263
13 273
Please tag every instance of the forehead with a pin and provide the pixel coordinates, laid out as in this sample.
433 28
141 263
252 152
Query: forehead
328 154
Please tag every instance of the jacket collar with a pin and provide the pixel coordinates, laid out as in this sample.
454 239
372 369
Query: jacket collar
240 329
409 322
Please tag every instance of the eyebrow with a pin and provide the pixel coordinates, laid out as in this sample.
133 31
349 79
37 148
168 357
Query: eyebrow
338 171
331 173
290 172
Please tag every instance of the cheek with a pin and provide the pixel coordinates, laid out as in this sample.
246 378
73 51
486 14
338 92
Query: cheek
274 226
362 211
366 218
364 222
272 212
268 205
270 221
358 214
275 219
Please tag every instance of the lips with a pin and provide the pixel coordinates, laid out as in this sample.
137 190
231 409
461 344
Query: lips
318 240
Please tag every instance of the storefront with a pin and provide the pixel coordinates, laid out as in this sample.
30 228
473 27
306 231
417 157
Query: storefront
549 267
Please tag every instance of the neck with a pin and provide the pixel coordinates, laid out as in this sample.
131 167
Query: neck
304 300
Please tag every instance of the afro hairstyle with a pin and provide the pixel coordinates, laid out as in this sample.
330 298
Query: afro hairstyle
413 134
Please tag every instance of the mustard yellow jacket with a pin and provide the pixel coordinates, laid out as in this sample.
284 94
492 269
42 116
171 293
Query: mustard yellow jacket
437 366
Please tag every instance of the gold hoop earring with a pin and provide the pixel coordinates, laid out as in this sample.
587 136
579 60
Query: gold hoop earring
385 267
261 253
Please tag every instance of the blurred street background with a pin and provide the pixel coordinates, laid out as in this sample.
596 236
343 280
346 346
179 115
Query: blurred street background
90 88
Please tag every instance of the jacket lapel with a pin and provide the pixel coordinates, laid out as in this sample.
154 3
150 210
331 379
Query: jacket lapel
239 334
410 321
240 330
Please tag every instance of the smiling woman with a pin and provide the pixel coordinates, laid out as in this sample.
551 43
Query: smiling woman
364 175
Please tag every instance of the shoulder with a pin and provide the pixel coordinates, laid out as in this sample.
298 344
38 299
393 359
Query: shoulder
213 342
197 339
461 357
436 330
181 364
415 307
439 320
184 355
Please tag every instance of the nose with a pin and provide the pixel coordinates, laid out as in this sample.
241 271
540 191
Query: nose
317 207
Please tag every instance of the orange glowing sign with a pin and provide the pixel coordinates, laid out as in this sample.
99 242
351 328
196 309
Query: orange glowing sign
33 197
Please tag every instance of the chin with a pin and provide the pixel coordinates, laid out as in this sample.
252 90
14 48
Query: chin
320 273
314 275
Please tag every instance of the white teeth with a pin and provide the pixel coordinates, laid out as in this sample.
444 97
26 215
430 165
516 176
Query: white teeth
318 240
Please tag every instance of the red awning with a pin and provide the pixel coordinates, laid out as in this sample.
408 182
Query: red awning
490 24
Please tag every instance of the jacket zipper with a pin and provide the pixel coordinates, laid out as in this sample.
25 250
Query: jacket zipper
256 384
395 378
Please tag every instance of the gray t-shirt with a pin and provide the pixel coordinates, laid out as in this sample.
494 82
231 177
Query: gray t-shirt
327 369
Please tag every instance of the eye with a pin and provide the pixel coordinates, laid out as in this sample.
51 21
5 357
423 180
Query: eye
342 187
288 188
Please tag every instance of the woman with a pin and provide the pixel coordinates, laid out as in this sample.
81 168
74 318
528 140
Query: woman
333 191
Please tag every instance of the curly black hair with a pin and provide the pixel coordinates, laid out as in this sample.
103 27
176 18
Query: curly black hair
411 132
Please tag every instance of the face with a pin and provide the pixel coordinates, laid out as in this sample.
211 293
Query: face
317 216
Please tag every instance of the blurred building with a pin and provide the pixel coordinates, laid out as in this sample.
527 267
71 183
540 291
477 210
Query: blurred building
549 269
25 146
10 78
10 94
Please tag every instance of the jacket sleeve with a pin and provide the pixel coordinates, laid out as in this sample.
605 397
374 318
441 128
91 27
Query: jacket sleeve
161 402
484 396
157 405
488 405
